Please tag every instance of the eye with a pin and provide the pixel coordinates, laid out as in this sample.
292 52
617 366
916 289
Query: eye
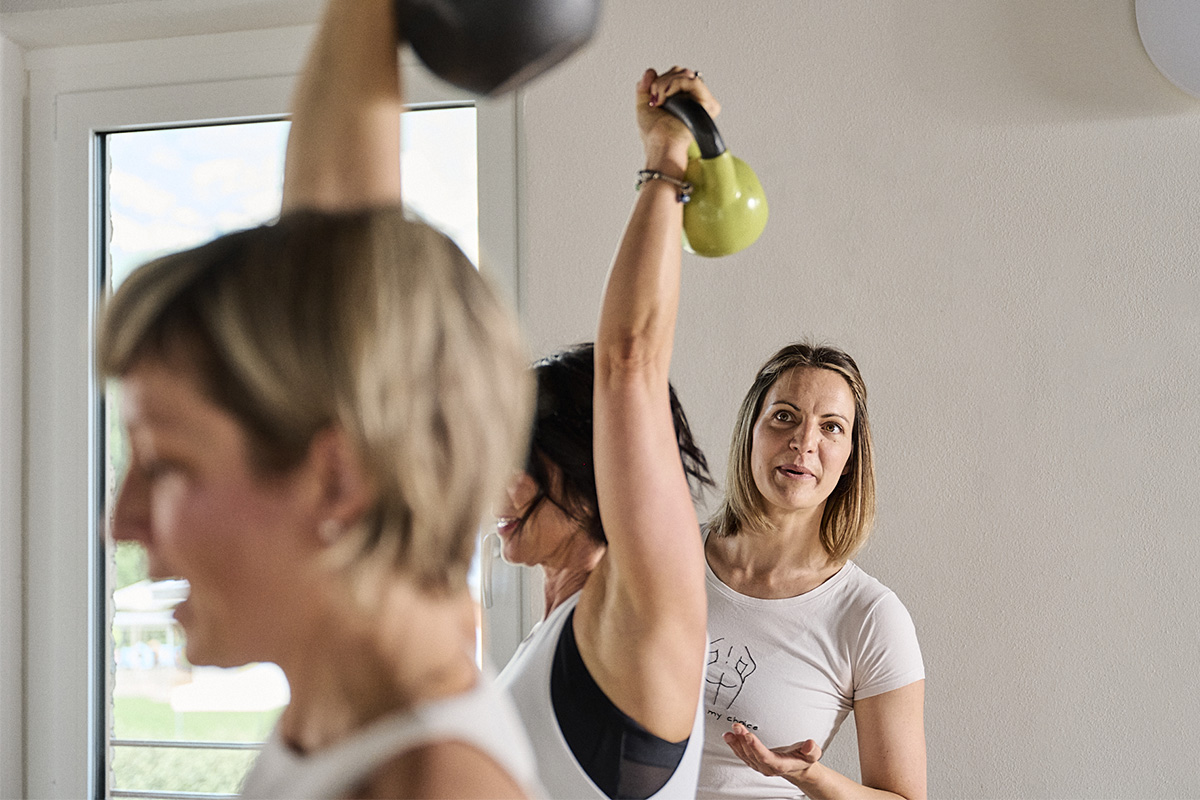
782 415
834 427
159 469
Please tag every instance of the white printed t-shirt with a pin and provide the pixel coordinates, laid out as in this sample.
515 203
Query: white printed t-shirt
791 669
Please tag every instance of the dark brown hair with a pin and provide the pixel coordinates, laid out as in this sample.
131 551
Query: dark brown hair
562 437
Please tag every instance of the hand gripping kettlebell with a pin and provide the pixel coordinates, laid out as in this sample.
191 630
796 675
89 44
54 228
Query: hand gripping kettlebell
728 209
493 46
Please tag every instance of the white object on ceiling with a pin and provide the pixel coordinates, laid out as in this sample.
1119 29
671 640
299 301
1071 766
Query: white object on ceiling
1170 31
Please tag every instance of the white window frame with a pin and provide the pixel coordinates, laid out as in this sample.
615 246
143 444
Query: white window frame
75 93
12 349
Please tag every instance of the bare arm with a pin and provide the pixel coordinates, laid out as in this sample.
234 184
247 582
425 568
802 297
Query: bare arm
641 620
891 752
343 149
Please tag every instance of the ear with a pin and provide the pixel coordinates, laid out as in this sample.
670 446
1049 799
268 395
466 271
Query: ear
346 489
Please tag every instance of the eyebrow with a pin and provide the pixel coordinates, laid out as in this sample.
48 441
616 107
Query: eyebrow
155 415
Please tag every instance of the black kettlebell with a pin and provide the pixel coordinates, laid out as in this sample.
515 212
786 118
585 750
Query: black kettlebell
493 46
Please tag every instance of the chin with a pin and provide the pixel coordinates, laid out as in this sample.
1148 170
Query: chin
202 654
510 552
513 559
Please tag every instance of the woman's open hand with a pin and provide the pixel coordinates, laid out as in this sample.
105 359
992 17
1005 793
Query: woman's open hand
790 762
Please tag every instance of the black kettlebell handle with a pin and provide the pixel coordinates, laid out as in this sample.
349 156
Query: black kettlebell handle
692 114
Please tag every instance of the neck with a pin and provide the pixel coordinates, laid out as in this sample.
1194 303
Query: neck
785 559
798 534
560 581
361 662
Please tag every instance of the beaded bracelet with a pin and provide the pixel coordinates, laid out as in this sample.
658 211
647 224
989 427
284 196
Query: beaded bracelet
684 188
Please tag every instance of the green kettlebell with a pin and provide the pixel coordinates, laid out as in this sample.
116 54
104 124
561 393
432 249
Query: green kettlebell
728 210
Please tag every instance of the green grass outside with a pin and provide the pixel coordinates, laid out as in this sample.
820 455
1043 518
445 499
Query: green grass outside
169 769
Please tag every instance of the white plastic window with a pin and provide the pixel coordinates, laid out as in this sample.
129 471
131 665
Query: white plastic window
79 100
175 727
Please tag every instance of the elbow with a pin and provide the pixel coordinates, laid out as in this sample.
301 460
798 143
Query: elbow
631 350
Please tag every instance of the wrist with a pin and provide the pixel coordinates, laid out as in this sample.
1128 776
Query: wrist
671 161
807 780
683 189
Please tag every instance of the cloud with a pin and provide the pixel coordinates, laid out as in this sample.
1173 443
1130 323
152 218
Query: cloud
136 194
141 240
231 176
165 158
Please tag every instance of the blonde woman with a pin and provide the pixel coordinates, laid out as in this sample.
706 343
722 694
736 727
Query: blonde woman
319 412
800 636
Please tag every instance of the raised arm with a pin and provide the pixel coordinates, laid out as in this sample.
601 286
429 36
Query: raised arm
343 150
641 621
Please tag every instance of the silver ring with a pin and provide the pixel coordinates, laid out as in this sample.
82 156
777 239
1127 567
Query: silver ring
697 76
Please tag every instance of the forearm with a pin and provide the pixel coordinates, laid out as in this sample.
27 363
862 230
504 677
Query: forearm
344 145
641 295
820 782
891 751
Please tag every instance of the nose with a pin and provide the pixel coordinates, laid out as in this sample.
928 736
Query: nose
131 514
805 437
520 489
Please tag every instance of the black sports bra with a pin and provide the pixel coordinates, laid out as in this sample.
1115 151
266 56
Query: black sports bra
625 760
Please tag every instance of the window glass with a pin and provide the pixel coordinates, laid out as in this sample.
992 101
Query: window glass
176 727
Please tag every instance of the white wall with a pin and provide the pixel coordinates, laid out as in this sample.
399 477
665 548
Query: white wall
12 106
993 205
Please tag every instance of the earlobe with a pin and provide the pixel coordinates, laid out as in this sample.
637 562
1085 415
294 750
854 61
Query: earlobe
347 490
330 530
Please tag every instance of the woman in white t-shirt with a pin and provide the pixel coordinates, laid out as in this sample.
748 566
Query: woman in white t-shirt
799 634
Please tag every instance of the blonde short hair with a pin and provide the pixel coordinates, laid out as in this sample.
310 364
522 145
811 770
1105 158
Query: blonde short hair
361 320
850 509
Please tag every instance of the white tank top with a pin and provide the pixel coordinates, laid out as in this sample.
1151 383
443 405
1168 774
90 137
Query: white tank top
527 678
483 717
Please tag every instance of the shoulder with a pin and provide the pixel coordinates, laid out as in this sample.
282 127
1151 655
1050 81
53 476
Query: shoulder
883 640
872 616
442 769
864 596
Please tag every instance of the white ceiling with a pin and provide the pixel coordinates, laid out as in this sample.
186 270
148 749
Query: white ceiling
50 23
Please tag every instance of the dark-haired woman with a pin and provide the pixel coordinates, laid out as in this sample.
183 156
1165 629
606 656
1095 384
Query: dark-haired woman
609 683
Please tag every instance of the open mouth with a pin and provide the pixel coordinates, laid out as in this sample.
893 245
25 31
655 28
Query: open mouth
795 472
506 525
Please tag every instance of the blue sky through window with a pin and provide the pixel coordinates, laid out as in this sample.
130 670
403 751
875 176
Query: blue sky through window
178 187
